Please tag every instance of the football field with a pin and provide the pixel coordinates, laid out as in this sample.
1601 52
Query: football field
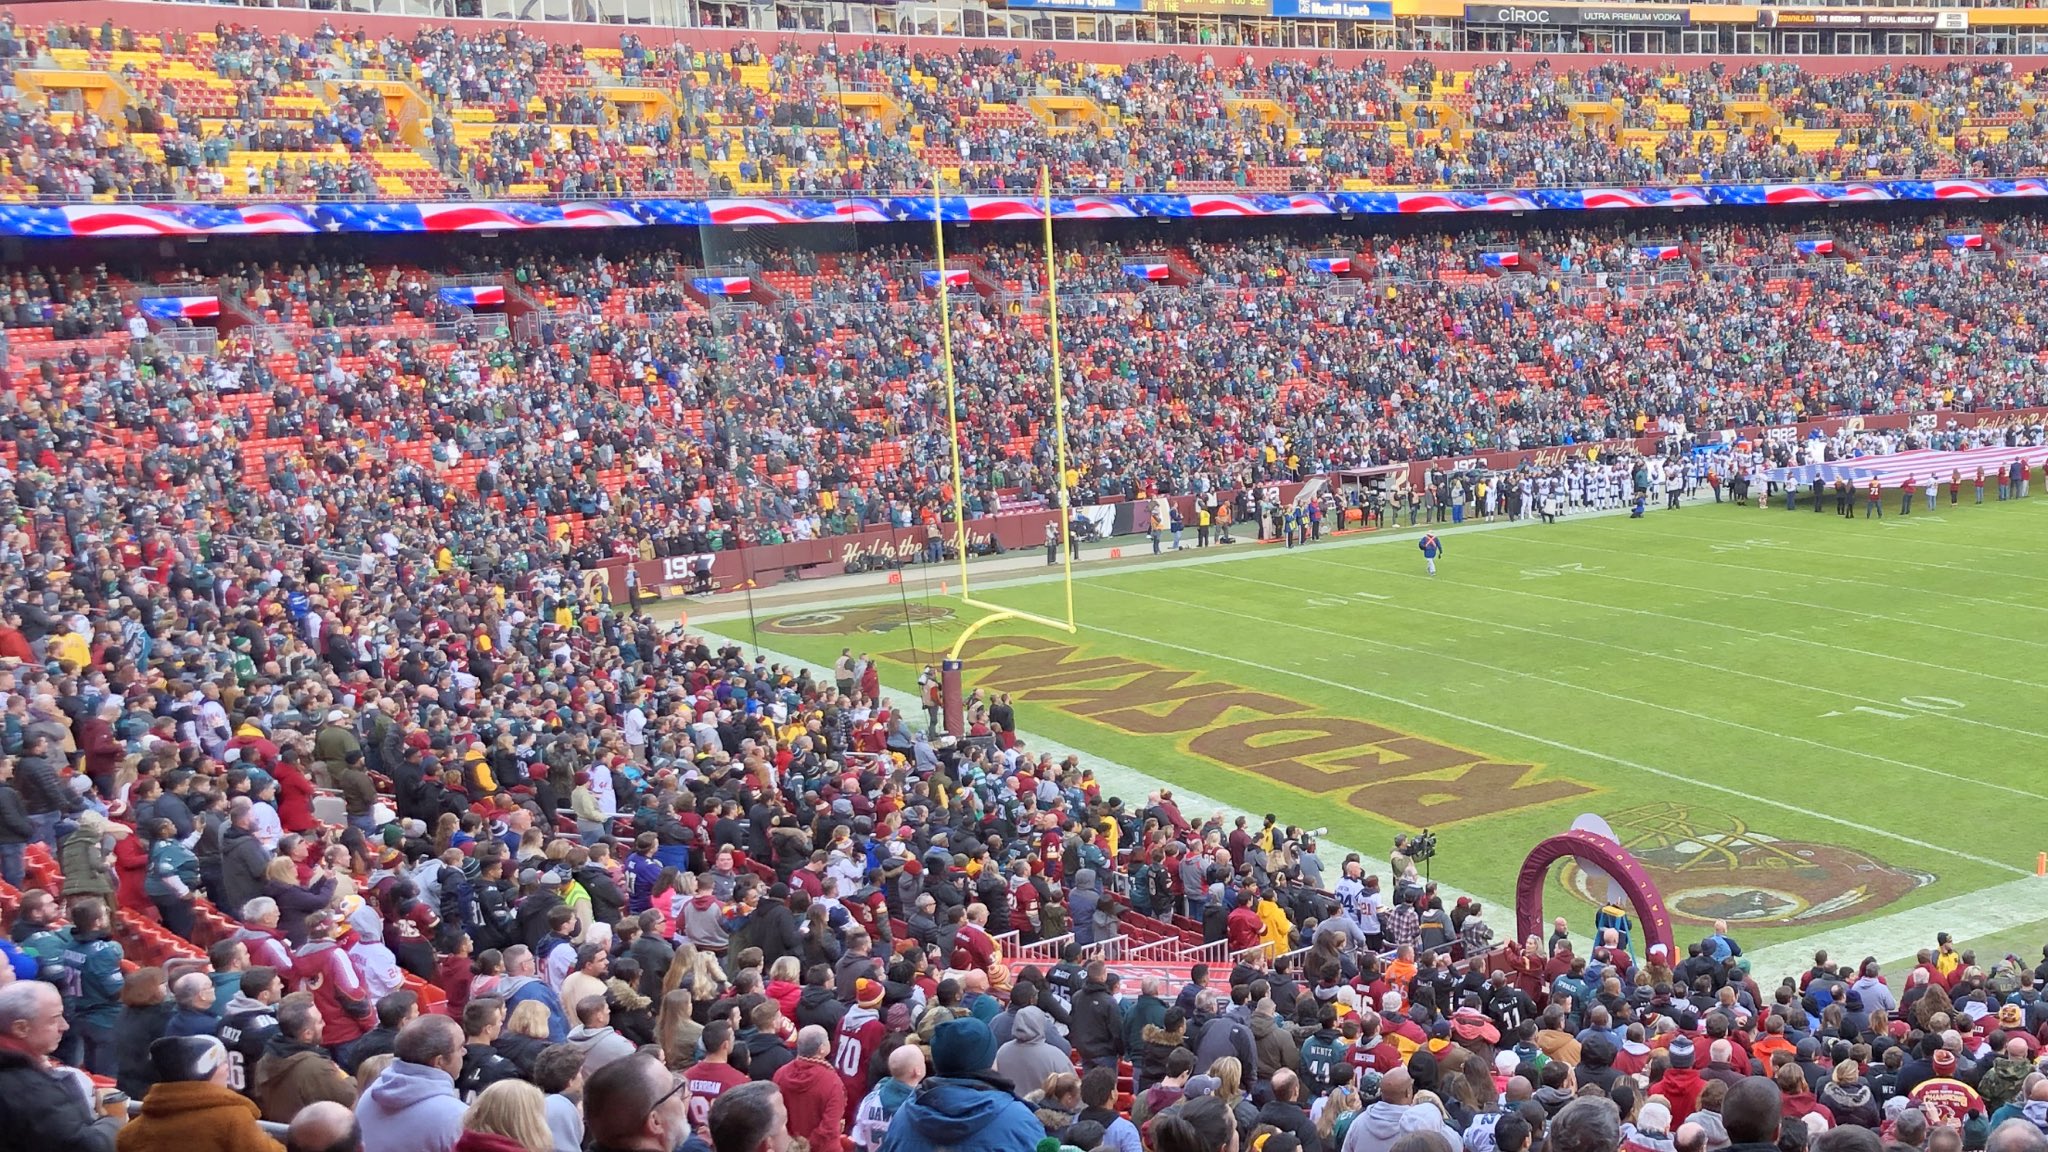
1828 732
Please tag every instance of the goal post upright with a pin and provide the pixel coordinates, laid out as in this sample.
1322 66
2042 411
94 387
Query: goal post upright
951 668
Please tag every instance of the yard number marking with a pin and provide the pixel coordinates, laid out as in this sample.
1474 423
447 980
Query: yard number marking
1558 570
1342 599
1744 545
1919 704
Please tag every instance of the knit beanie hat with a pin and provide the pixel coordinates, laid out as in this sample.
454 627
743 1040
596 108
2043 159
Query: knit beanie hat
186 1058
962 1047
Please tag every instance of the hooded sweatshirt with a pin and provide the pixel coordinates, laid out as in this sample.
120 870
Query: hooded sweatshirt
411 1108
701 922
963 1115
600 1046
1027 1059
1382 1123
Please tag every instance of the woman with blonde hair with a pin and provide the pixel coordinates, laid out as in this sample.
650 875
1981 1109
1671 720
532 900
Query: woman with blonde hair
524 1036
1057 1102
1229 1074
371 1068
509 1116
1339 1109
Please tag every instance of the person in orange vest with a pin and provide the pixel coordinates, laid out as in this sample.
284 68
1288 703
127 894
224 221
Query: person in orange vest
1876 505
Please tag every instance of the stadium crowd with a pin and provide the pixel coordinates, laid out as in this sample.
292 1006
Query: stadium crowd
430 856
509 114
377 432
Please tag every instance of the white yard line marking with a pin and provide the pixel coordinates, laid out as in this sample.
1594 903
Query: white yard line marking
1675 777
1835 647
1970 915
1670 657
1674 710
1748 565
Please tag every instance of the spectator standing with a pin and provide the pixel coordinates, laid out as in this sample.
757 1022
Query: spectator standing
412 1106
145 1012
295 1069
173 878
16 829
191 1108
813 1094
43 1105
964 1107
87 865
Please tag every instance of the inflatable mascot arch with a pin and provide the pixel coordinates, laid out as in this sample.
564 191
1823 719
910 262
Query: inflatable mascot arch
1597 853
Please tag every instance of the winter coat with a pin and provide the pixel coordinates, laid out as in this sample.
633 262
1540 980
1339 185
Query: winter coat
1149 1066
1852 1104
82 858
135 1029
411 1108
242 860
1276 1046
1095 1023
1143 1013
294 798
15 826
963 1115
1226 1037
815 1095
49 1107
1292 1118
1027 1059
195 1116
292 1075
294 903
766 1053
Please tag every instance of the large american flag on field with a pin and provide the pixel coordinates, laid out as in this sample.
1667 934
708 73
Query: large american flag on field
1922 465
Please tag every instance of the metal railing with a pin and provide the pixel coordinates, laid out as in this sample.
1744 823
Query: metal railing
1043 951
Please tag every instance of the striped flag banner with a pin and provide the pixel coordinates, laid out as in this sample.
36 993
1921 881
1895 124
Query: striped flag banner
1661 251
954 277
1924 466
474 296
1814 247
1966 240
171 309
1501 259
1147 271
724 285
1334 265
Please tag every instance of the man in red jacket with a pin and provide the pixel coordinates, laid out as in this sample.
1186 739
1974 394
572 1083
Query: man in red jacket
294 795
335 978
1244 927
1681 1085
813 1092
101 747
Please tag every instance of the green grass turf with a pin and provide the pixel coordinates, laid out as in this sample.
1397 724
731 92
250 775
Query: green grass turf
1860 703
